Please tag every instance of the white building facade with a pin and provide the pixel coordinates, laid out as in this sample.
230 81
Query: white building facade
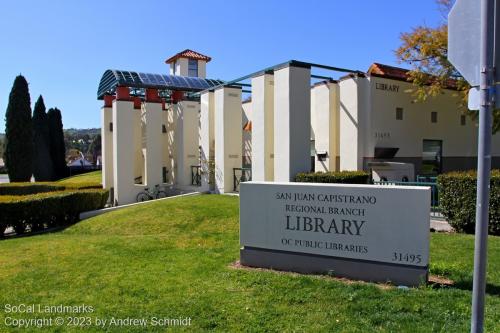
187 132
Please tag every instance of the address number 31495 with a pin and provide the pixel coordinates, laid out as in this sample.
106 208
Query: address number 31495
407 257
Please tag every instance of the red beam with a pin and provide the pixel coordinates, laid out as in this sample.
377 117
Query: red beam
137 103
108 100
152 95
122 93
177 96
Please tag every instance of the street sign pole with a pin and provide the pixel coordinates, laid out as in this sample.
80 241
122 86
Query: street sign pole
487 92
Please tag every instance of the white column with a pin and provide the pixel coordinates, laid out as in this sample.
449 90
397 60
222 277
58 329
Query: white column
292 130
171 116
187 141
354 122
124 151
107 147
207 140
228 137
165 161
325 112
153 144
263 128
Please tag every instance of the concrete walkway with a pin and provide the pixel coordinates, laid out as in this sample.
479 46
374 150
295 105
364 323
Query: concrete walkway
92 213
4 178
440 225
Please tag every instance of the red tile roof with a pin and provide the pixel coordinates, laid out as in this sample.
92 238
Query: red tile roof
387 71
396 73
190 54
248 126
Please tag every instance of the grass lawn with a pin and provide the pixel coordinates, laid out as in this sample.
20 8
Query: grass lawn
89 177
172 259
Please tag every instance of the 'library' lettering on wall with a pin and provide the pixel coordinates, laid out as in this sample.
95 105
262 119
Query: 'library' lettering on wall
388 87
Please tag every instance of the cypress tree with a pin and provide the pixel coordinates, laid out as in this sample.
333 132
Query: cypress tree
56 143
42 162
18 155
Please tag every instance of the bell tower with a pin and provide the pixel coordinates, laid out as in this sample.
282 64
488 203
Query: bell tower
188 63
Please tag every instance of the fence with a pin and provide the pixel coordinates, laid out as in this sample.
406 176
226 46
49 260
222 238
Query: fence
196 175
241 175
435 210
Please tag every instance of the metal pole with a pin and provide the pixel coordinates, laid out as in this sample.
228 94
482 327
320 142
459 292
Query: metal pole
483 164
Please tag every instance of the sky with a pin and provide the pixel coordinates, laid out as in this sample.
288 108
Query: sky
63 47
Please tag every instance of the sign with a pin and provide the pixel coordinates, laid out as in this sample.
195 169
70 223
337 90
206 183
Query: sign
464 37
473 100
464 30
387 87
379 225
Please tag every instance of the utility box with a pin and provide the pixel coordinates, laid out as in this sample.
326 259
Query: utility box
392 171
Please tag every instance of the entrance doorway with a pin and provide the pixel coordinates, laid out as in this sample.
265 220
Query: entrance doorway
432 157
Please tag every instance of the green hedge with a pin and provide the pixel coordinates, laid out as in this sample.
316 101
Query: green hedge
457 199
344 177
38 211
42 187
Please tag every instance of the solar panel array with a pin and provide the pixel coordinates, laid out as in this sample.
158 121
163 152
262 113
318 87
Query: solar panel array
113 78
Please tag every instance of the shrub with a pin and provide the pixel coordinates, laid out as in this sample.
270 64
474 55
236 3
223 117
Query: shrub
457 199
343 177
28 188
49 208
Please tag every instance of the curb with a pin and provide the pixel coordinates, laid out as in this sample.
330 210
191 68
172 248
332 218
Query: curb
92 213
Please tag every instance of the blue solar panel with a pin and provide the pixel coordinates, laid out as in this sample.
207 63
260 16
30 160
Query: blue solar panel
113 78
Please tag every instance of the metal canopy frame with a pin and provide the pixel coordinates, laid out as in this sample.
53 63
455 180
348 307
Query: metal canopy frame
138 82
237 83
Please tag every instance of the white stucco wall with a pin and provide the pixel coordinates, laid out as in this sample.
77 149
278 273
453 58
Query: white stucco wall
325 123
107 147
247 135
154 144
292 119
202 68
354 121
187 140
408 134
181 67
207 139
126 131
169 152
374 111
228 137
263 128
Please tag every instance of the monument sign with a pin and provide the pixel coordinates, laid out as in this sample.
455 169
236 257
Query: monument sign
368 232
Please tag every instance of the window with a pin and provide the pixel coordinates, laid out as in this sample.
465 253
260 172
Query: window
434 117
399 113
432 155
193 68
462 120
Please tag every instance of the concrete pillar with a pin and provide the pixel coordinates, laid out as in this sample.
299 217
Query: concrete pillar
292 114
125 148
326 126
187 141
354 121
263 128
154 138
207 141
107 143
164 141
171 151
228 137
